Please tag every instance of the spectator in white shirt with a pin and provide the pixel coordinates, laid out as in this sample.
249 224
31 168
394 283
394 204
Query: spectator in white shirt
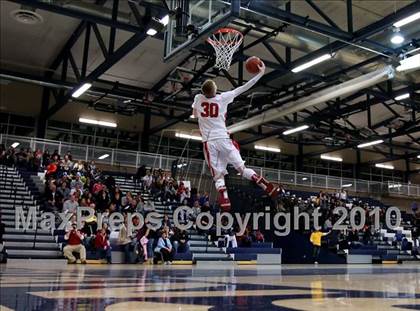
70 205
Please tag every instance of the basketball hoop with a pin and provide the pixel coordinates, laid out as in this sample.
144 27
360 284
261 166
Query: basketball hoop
225 41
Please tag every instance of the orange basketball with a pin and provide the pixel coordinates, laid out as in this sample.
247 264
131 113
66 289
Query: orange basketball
252 63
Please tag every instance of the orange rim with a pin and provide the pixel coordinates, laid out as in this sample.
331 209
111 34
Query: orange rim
222 31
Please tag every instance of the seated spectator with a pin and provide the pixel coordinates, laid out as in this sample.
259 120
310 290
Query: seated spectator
45 158
97 187
116 198
79 167
102 200
138 178
126 199
229 236
152 237
70 205
164 247
166 222
102 246
180 241
398 237
147 181
54 199
77 191
405 245
205 208
64 191
92 167
65 166
196 210
77 182
142 241
51 170
259 236
74 245
170 192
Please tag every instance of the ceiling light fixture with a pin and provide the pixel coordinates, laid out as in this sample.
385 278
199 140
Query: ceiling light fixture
264 148
385 166
96 122
409 63
402 96
14 145
371 143
104 156
151 32
312 63
164 20
81 90
397 37
296 129
407 20
187 136
330 158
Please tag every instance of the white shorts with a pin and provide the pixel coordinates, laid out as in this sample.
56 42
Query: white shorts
219 153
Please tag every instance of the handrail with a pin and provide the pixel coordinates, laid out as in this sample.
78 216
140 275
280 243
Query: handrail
134 159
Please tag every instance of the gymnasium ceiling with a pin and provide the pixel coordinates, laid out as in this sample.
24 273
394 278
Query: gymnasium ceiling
142 75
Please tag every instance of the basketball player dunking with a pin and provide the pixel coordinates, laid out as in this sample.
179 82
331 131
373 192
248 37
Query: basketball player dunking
219 150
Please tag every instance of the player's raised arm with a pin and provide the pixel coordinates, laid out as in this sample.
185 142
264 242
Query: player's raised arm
239 90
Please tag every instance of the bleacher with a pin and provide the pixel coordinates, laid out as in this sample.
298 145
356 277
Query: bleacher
201 249
21 243
46 244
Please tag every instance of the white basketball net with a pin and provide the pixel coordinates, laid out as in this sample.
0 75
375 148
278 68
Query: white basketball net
225 42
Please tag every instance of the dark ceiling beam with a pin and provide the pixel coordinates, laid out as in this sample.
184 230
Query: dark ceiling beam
122 51
407 129
314 84
65 85
274 53
396 157
359 36
322 14
294 19
66 48
48 6
100 40
328 114
164 79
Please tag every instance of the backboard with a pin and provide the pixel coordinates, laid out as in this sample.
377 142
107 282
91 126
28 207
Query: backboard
194 21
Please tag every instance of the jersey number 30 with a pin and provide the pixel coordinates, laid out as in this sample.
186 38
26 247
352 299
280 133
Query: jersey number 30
210 110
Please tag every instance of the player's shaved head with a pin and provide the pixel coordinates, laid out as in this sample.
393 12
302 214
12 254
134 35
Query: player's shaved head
209 88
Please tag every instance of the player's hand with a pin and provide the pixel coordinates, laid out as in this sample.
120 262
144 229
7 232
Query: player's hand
261 67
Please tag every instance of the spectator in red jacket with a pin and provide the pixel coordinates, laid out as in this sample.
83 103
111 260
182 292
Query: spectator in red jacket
74 245
102 246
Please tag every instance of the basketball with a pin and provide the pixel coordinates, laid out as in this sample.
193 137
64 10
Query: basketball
252 63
